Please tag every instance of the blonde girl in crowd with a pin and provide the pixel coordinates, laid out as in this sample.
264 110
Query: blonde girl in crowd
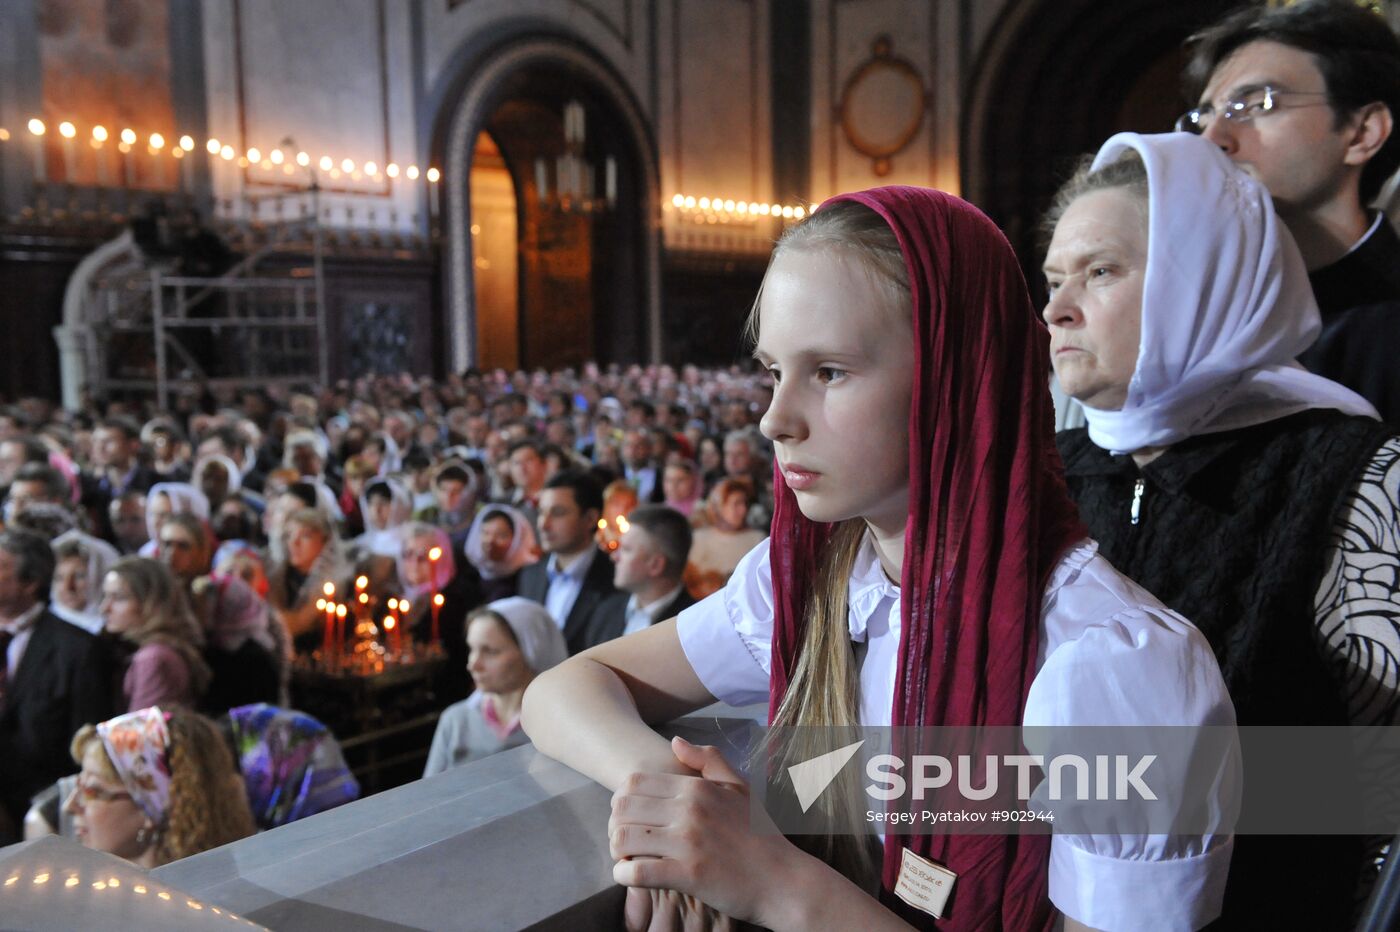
921 517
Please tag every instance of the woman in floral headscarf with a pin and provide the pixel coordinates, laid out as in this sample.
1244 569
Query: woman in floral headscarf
156 785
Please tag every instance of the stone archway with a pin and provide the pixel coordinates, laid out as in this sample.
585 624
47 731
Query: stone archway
1053 81
468 116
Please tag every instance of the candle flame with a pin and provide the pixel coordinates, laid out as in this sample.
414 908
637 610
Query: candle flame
364 598
67 130
403 605
435 554
602 524
438 600
36 126
393 605
99 133
361 582
320 605
340 611
388 622
328 589
622 524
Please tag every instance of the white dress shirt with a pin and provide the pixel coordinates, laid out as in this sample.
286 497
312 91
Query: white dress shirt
565 585
1149 667
21 629
640 617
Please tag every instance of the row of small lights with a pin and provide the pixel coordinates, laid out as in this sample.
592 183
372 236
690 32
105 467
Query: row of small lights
714 205
42 877
156 143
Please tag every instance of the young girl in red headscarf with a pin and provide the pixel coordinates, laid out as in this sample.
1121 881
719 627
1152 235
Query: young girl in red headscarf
926 567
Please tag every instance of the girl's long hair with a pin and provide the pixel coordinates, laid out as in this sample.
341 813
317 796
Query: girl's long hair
823 689
166 617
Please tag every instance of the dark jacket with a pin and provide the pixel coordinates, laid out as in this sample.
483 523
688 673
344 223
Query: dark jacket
597 585
1359 296
610 617
63 683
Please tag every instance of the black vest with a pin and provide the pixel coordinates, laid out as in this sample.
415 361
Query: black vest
1230 531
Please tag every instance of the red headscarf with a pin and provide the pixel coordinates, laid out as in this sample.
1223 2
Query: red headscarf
989 518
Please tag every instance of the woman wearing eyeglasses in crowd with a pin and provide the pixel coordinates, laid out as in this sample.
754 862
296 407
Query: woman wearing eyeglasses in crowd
156 785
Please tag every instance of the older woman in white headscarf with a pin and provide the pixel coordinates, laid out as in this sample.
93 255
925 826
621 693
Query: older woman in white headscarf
1255 498
511 641
170 498
499 544
81 561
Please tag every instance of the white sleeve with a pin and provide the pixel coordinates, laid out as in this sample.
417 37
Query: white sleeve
1143 665
728 636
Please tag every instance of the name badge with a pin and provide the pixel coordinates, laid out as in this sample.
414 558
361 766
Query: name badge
923 884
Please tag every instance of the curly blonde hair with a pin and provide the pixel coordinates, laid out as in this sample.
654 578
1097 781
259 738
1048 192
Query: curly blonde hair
166 617
208 804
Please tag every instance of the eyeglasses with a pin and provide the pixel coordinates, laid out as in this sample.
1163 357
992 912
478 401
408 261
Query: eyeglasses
1243 108
90 792
175 543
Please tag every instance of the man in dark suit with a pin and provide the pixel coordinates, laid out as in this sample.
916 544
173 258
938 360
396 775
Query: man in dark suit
116 469
648 565
576 575
54 680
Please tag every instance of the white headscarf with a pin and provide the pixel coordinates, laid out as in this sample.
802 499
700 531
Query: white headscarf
235 475
1226 305
385 541
541 642
522 545
100 556
184 499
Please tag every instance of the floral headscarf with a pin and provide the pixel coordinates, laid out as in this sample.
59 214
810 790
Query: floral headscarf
138 744
292 765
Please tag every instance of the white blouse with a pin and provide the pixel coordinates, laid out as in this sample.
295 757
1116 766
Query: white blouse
1110 654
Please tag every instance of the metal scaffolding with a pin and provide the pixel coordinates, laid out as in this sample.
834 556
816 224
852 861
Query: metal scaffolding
147 329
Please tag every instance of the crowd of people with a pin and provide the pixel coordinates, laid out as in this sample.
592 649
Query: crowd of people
873 525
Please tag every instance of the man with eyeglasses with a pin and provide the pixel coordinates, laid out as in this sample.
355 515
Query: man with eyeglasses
1304 98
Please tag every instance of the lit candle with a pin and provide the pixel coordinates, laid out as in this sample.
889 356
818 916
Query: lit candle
339 632
323 606
437 607
391 630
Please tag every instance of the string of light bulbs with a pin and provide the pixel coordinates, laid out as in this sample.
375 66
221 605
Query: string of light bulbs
703 207
274 157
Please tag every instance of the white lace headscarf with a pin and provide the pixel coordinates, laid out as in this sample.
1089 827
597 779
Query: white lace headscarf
1226 305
